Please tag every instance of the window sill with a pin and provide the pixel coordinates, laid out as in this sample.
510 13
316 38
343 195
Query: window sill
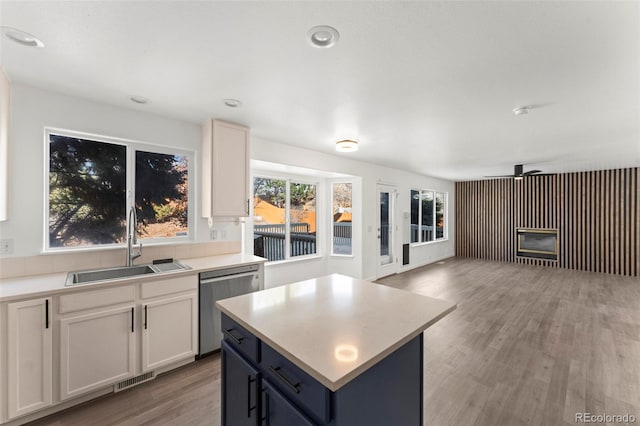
296 259
342 256
441 240
147 243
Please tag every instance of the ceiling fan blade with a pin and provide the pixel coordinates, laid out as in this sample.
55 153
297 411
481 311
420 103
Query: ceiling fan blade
532 172
500 176
543 174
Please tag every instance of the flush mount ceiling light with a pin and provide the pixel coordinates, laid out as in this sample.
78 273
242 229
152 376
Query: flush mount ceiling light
139 100
232 103
323 36
347 145
21 37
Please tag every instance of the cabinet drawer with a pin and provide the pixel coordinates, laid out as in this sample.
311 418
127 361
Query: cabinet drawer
240 339
168 286
96 298
298 386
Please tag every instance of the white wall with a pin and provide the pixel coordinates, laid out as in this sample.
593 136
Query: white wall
364 262
34 109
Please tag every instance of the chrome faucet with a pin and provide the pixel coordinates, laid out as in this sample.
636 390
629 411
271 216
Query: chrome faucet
132 239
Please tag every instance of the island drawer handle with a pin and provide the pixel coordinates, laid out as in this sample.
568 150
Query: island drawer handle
294 386
227 332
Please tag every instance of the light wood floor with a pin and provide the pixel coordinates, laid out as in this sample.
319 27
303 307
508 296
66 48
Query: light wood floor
526 346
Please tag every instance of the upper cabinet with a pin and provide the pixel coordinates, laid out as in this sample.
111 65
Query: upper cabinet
225 169
5 105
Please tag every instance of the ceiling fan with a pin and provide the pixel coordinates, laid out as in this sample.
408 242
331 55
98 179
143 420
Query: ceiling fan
519 173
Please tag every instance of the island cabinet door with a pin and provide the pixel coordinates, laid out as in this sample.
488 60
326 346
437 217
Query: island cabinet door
240 389
277 410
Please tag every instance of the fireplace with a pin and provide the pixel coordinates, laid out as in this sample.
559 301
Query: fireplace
537 243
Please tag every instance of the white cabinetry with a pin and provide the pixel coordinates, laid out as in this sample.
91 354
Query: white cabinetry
169 333
96 349
225 169
170 321
30 356
97 339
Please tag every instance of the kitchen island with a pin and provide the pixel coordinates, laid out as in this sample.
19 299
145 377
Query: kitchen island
332 350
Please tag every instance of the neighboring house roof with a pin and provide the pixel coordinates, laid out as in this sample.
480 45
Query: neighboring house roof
342 217
272 214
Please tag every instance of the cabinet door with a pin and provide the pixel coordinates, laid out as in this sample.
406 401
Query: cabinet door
96 350
280 411
240 384
169 331
225 169
29 356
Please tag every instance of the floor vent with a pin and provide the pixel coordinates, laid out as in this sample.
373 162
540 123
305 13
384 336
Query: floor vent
126 384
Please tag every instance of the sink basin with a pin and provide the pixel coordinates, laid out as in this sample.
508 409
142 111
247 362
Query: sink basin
84 277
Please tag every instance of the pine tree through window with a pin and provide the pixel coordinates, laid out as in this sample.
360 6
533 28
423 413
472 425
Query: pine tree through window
88 192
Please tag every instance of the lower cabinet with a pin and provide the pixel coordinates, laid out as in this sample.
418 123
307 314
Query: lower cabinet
248 399
263 387
103 336
96 349
241 389
278 410
113 334
169 331
30 356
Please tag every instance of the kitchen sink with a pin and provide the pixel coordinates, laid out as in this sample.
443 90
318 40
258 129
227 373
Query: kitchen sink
85 277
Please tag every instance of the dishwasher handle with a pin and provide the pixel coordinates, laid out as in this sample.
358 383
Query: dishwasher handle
228 277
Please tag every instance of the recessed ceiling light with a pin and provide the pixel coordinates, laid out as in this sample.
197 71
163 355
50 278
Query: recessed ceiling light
139 100
21 37
347 145
232 103
323 36
521 110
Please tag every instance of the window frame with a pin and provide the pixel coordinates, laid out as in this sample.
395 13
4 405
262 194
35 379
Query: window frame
445 230
331 184
290 178
132 146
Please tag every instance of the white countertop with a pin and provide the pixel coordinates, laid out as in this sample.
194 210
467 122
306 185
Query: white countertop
50 284
335 327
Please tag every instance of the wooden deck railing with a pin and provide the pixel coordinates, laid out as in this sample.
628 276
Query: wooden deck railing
269 239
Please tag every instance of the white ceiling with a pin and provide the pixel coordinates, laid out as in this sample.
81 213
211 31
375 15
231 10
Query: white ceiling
425 86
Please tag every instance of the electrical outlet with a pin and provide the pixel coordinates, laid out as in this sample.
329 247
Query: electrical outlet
213 234
6 246
223 234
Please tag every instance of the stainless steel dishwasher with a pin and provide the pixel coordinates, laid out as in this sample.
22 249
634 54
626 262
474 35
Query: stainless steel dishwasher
217 285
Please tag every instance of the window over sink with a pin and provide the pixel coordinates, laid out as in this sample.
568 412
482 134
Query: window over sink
93 180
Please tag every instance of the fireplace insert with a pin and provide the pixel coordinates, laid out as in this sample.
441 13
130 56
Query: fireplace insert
537 243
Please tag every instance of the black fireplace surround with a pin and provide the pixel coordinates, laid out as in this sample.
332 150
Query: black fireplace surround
537 243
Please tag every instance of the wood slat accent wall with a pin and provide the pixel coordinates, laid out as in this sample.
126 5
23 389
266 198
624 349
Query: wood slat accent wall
597 215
